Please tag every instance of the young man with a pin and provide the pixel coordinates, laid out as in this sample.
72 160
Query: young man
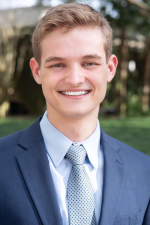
64 170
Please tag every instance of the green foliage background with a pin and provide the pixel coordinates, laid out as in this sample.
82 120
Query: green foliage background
132 131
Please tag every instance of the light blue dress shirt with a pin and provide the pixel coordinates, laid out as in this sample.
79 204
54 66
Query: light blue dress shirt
57 145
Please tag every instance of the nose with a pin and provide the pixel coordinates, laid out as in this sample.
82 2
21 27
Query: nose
75 75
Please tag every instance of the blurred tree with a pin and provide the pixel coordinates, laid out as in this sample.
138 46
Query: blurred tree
144 9
123 20
13 52
8 45
127 22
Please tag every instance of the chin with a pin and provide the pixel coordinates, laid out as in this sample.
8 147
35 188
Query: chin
76 114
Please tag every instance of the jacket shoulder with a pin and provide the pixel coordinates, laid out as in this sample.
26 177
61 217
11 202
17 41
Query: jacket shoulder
24 138
9 141
133 156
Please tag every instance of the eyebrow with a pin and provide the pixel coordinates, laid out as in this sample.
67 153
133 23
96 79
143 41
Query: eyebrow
55 58
94 56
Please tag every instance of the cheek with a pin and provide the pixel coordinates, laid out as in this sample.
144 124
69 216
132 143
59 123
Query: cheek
47 86
99 81
48 82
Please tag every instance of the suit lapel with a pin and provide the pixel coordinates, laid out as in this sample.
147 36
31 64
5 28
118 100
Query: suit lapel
114 177
34 167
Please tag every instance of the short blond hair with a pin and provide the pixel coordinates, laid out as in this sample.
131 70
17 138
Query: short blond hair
70 16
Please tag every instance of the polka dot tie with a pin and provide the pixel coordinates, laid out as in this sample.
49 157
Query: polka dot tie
79 192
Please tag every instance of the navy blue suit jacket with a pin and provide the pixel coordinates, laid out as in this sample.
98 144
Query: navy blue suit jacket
27 193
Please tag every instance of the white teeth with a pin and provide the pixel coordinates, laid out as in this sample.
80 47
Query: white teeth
72 93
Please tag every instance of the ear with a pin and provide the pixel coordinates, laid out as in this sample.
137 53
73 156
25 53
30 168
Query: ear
112 65
35 70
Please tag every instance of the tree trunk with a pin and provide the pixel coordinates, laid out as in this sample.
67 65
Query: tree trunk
123 73
146 85
8 45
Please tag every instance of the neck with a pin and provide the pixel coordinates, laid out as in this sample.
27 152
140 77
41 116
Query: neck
76 129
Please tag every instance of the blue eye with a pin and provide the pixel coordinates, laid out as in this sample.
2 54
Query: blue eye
90 64
58 65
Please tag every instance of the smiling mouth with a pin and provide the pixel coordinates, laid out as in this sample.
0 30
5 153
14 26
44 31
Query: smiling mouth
75 93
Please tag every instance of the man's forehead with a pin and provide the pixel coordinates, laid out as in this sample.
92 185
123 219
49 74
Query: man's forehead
58 45
64 31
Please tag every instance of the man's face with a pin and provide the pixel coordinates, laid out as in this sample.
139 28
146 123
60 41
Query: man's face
74 72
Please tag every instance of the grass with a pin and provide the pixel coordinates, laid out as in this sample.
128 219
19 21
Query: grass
11 125
132 131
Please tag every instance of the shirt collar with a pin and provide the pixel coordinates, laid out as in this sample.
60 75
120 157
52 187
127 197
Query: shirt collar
57 144
92 146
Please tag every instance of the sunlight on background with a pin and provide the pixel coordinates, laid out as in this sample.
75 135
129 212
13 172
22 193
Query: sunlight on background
16 4
28 3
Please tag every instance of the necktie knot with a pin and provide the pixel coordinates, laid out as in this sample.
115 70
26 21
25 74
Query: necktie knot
76 154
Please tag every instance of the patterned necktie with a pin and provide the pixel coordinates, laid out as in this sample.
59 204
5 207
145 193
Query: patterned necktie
79 192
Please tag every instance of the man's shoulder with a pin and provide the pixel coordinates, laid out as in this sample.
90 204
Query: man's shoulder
9 141
12 140
134 158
